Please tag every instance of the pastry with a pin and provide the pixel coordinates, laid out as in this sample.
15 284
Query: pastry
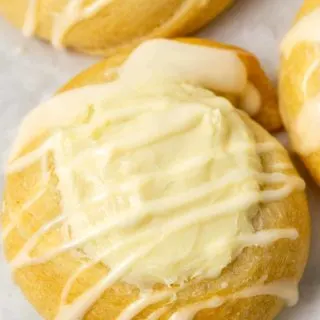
151 197
102 26
300 85
252 91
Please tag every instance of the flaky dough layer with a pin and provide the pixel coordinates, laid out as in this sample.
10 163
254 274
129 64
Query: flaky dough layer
299 84
42 284
118 23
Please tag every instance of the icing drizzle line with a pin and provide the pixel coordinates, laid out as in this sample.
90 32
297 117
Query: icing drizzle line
30 22
74 12
78 308
82 304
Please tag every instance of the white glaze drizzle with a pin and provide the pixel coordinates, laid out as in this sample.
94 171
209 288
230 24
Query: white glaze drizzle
250 99
111 72
294 183
24 253
285 290
260 238
283 192
78 307
74 12
15 217
30 22
165 59
45 179
306 137
266 237
266 147
28 204
291 183
263 238
305 127
305 30
309 73
182 62
5 233
30 158
55 115
174 225
158 313
145 301
156 207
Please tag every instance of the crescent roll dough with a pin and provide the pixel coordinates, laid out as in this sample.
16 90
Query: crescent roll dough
138 192
300 85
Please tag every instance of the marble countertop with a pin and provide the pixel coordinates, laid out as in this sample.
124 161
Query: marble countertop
31 70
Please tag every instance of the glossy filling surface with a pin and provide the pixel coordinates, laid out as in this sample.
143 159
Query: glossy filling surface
159 179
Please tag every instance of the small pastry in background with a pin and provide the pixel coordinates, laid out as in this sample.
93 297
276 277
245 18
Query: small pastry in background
139 192
102 26
300 85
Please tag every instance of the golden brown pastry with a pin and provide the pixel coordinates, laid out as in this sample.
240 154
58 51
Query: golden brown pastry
300 85
151 197
254 92
101 26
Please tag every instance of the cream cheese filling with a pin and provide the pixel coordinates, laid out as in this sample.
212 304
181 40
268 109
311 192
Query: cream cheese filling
305 136
159 178
157 60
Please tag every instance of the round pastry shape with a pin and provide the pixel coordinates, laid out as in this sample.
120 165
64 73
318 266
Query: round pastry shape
101 26
152 197
235 74
300 85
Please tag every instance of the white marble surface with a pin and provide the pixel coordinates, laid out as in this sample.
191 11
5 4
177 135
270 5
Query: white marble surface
31 70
